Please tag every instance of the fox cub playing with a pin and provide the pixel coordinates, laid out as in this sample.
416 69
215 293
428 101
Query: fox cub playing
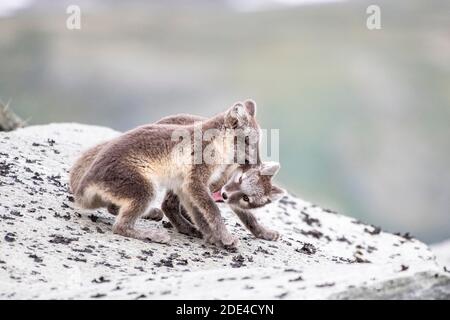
247 188
124 174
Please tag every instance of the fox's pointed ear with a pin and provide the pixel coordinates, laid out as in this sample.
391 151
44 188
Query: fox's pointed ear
250 105
269 168
236 116
276 193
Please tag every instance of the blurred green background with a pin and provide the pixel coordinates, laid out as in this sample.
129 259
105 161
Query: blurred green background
363 115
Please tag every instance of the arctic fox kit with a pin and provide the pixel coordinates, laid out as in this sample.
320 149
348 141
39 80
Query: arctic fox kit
126 172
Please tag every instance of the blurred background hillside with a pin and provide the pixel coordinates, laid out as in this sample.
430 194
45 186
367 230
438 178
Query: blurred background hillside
363 115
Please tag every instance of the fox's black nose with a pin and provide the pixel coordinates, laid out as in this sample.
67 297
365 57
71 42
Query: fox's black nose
224 196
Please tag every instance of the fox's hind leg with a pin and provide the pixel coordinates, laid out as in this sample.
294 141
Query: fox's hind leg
174 212
126 220
136 196
113 209
153 214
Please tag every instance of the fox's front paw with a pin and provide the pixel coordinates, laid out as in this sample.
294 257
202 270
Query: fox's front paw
229 241
211 239
156 236
269 235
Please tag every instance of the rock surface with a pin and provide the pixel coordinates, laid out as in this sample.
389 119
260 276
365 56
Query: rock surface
51 249
442 252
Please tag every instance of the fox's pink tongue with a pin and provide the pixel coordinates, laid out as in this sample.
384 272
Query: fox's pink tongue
217 196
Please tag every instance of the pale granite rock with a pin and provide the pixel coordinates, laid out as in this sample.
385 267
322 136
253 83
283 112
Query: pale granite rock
51 249
442 252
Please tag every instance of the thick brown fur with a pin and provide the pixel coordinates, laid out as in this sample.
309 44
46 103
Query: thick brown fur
128 170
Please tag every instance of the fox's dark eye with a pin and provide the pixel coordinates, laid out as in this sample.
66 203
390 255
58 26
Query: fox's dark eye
245 198
240 179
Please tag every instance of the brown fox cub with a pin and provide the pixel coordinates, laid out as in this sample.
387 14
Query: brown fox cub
253 184
127 171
